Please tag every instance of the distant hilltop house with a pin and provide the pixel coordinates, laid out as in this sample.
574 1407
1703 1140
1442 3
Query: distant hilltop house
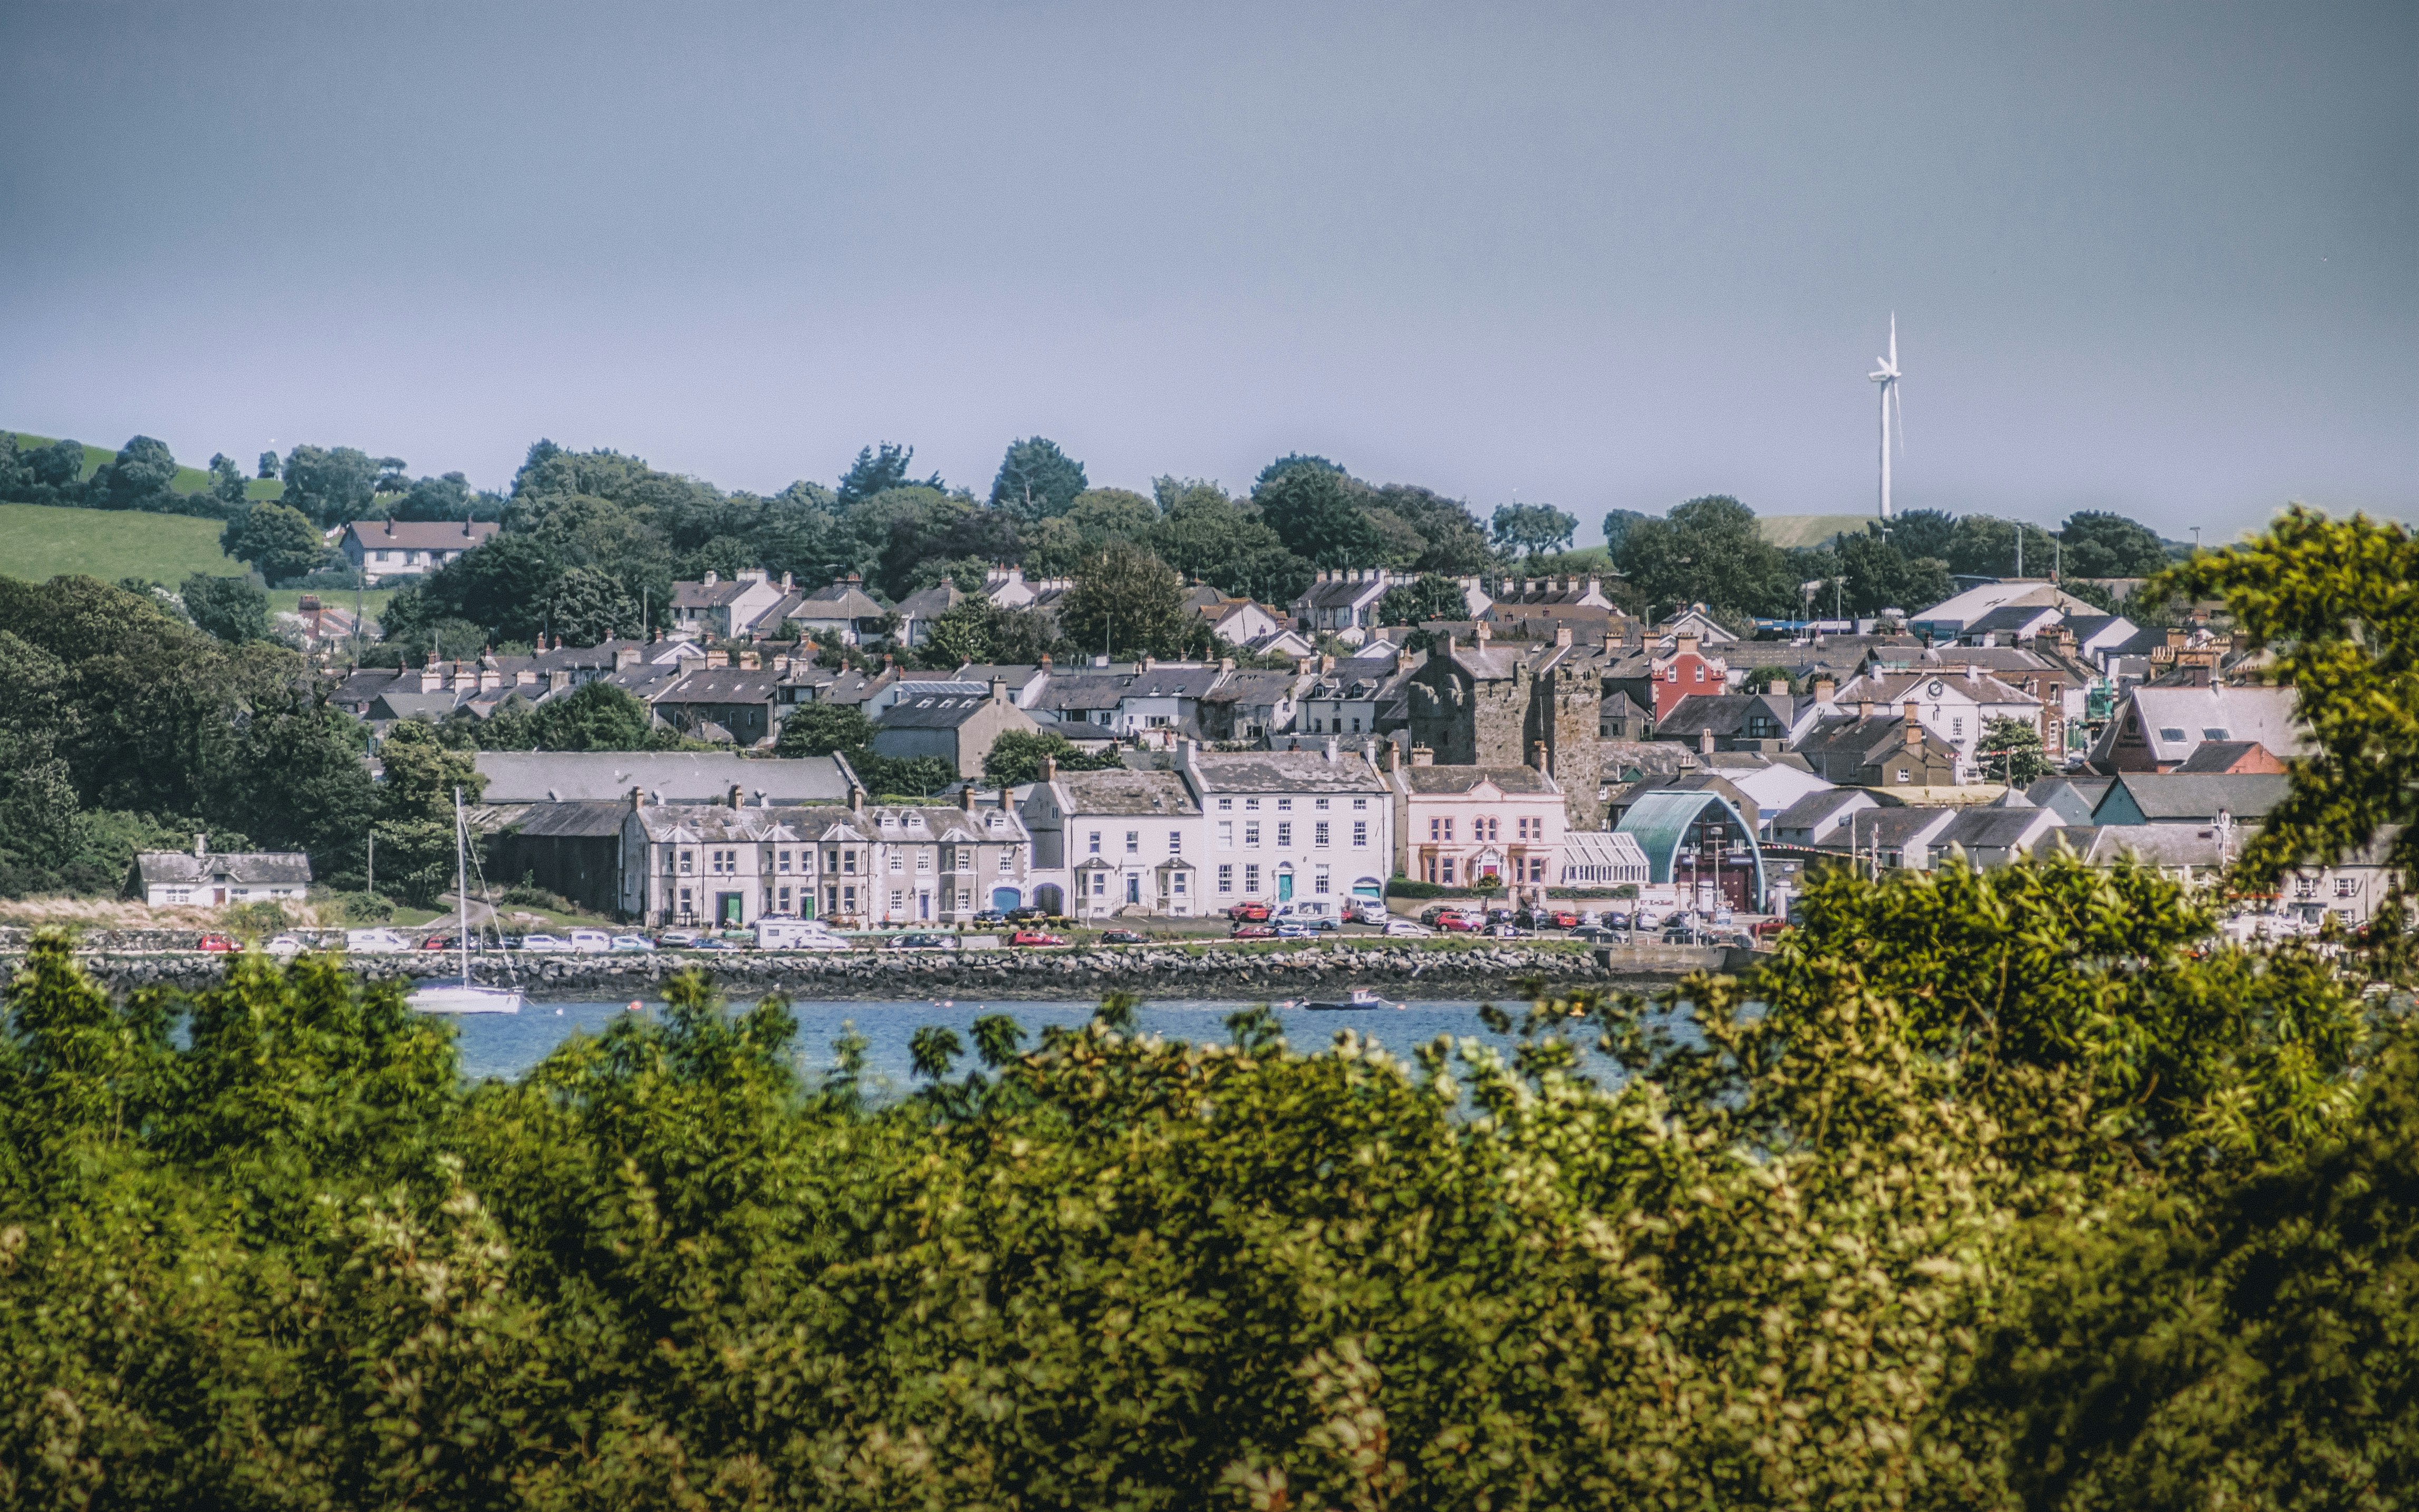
204 879
380 550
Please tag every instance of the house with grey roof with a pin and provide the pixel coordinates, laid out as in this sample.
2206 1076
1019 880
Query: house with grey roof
918 610
1879 751
1739 721
1955 703
1459 825
1891 839
724 608
738 704
957 722
1995 835
1252 705
2073 797
666 776
204 878
842 614
1343 603
1818 816
2179 798
1287 825
384 550
1117 841
2157 729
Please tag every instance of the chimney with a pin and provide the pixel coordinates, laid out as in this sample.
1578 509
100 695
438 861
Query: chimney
1685 643
1612 641
1563 635
712 577
1825 689
202 845
966 797
1537 754
1913 726
1330 750
1393 758
1225 664
1864 708
1003 797
1706 741
750 661
1149 661
1480 634
638 799
1422 756
1049 772
998 689
1326 663
1777 687
718 659
1972 672
1450 647
737 794
624 656
856 799
786 584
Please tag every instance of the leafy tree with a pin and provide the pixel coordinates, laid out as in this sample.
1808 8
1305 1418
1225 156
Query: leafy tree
330 485
1451 542
821 728
1113 514
503 588
1617 529
1923 533
226 481
1036 480
231 608
2097 544
295 780
902 777
877 472
1876 575
1207 537
280 542
2337 602
2014 747
588 608
268 465
142 476
1533 527
415 811
1128 602
1293 461
1425 597
1707 551
597 716
1316 512
448 497
1016 758
1987 547
54 475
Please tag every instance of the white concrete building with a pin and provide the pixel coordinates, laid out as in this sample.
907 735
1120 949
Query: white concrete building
207 879
1954 703
382 550
1293 824
1115 842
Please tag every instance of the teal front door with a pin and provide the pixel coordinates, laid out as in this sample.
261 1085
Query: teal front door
1285 886
727 910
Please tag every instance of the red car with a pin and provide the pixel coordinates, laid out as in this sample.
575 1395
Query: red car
1249 913
1252 932
1034 936
216 944
1461 923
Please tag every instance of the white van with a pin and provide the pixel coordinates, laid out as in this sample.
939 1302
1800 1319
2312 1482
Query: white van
592 942
374 942
1315 911
796 935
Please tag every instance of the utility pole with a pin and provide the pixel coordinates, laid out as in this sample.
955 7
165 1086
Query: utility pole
371 886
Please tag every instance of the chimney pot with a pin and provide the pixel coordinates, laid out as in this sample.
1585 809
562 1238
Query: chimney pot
736 795
1706 741
1423 756
1537 754
1562 635
638 797
202 845
1049 772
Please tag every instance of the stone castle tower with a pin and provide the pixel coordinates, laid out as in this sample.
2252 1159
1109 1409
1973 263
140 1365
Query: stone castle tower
1489 706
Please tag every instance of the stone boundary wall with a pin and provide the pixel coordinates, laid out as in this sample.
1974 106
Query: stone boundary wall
910 976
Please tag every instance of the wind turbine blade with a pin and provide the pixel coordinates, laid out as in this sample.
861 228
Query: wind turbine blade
1898 407
1893 341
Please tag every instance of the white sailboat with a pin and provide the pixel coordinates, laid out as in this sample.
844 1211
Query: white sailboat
465 997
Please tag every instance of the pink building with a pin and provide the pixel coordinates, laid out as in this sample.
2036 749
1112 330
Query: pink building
1457 826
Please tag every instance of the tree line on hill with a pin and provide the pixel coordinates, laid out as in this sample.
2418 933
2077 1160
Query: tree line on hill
1987 1190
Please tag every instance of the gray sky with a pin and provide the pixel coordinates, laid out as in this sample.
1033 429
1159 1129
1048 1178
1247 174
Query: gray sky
2156 258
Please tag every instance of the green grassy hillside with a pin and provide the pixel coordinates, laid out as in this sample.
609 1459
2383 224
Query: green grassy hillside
1808 530
39 541
188 480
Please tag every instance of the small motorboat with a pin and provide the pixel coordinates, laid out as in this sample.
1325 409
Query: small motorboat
1362 998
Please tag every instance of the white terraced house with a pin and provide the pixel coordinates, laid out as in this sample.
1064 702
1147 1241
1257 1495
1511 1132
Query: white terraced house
1293 824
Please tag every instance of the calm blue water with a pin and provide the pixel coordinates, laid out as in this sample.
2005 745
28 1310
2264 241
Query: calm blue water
506 1046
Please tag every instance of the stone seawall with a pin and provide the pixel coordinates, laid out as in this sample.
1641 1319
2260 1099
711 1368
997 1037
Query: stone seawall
907 976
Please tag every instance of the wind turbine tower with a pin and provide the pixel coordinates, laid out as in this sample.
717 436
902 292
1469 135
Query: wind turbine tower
1887 376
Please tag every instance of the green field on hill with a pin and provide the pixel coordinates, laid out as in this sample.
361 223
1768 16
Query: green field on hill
41 541
1808 530
189 479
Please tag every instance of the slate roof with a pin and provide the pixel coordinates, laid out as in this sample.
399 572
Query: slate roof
1891 828
585 818
1649 756
722 684
838 601
703 594
1081 691
1340 593
2073 797
2152 844
934 601
242 867
1286 771
2174 796
1124 790
1725 713
934 710
1817 807
1996 829
1897 687
1524 780
2228 713
2217 755
413 704
677 777
1253 688
418 535
1863 739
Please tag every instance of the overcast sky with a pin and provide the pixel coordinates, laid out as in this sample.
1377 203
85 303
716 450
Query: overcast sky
2155 259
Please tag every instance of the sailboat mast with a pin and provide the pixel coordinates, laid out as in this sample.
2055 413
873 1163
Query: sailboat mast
462 886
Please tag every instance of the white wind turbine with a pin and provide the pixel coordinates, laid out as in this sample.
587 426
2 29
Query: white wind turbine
1888 375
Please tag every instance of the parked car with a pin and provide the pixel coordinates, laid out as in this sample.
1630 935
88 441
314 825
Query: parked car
1368 911
917 942
1769 930
374 942
1597 934
546 945
216 944
591 941
1458 923
286 946
1503 928
1027 915
1434 913
440 941
1291 928
1405 929
1123 937
1546 918
1034 936
676 939
989 919
1249 913
714 941
634 944
1252 932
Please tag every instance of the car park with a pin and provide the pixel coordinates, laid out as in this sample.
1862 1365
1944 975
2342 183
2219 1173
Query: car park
1460 923
1123 937
1503 928
1546 918
1596 935
634 944
1402 929
546 945
715 942
1366 911
1434 915
1291 928
1034 936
